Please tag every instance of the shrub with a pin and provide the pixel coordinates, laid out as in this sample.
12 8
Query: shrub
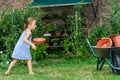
12 22
40 52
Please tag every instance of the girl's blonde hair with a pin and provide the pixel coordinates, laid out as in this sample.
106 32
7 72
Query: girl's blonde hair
27 22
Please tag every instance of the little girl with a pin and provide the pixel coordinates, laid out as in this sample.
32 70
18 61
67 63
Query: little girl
22 48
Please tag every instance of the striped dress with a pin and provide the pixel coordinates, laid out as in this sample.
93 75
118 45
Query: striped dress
22 50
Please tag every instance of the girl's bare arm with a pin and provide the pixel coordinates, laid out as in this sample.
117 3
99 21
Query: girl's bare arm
28 33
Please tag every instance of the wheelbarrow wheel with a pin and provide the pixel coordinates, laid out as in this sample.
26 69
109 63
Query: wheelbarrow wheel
116 62
115 71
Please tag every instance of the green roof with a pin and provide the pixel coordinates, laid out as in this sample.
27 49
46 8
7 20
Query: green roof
59 2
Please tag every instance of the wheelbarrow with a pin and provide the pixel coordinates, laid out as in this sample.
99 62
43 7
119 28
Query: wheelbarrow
105 54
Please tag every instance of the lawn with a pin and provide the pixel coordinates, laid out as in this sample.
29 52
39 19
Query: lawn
61 69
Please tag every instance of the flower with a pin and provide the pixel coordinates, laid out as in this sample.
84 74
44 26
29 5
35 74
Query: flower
87 55
7 62
1 52
67 54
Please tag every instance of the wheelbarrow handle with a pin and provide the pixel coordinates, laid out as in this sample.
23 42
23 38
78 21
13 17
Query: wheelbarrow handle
88 42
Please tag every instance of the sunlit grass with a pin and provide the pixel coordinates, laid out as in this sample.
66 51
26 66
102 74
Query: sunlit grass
61 69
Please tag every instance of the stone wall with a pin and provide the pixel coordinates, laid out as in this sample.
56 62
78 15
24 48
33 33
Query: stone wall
92 14
58 14
14 3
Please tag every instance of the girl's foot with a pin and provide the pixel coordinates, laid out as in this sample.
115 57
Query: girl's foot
7 73
31 73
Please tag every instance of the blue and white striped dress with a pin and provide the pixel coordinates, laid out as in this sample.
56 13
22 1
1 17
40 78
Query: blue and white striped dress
22 49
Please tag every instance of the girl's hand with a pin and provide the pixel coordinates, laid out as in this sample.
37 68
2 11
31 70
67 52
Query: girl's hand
34 47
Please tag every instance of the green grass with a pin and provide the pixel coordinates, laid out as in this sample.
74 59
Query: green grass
61 69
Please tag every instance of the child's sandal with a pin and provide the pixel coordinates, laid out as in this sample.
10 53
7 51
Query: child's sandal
7 73
31 73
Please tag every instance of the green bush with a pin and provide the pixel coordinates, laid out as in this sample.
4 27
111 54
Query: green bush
99 32
74 43
40 52
114 18
12 25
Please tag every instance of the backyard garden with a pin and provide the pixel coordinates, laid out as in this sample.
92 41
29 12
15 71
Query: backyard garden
64 56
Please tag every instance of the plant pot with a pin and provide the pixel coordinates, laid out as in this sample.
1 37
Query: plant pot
57 33
116 40
104 42
39 40
67 54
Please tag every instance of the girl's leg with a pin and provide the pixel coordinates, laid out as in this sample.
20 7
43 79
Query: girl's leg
29 64
11 65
